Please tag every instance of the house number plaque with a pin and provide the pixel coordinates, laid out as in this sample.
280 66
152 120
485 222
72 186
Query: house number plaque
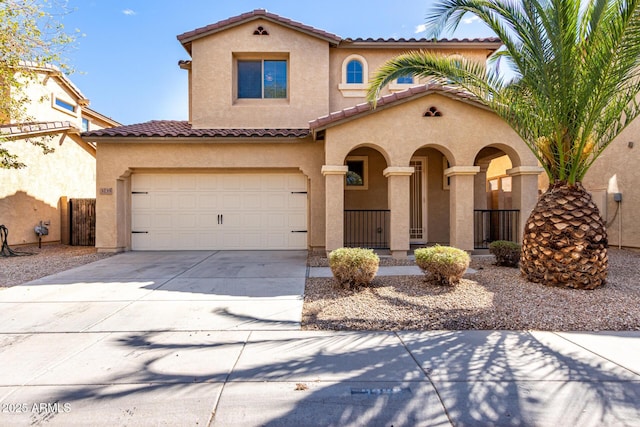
106 191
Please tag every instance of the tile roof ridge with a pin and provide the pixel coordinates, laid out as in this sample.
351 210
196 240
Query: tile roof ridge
390 99
254 14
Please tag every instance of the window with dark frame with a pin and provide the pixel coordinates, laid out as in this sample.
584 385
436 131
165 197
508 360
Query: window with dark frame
65 105
356 173
354 72
259 79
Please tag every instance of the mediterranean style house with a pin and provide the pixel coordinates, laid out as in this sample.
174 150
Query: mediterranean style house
38 194
281 151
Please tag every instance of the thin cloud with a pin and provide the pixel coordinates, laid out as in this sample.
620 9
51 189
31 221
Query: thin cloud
129 12
420 28
471 20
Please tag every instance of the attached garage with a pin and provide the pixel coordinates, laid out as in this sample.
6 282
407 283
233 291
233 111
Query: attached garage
193 211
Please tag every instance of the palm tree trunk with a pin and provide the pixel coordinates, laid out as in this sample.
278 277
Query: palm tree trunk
565 240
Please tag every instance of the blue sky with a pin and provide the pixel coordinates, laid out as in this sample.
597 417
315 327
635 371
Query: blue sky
126 60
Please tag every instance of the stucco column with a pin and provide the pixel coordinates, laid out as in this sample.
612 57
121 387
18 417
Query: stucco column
524 192
334 205
398 194
480 187
461 201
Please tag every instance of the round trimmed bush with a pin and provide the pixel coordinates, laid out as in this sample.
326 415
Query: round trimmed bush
507 253
353 267
445 263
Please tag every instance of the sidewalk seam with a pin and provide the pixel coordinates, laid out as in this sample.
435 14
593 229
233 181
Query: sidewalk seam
597 354
228 377
446 411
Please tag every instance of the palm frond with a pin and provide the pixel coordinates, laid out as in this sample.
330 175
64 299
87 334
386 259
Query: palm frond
577 73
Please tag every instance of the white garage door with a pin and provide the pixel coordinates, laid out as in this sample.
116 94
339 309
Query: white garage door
218 211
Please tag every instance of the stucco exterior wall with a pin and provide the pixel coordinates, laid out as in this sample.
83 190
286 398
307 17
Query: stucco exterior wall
214 103
43 93
619 163
397 132
375 196
401 132
32 194
118 160
375 58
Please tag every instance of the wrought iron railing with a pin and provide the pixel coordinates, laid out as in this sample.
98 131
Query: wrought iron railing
495 224
367 228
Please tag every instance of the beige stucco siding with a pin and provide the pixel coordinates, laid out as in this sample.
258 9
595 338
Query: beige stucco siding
42 93
619 163
32 194
461 132
118 160
213 78
400 132
375 58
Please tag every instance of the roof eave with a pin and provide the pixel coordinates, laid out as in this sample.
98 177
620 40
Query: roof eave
381 106
194 139
486 45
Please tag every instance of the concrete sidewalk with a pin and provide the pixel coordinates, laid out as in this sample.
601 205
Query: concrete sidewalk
204 338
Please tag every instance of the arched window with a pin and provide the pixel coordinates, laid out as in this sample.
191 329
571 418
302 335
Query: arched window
354 72
355 75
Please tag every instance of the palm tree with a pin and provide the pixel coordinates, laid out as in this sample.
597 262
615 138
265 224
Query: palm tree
576 86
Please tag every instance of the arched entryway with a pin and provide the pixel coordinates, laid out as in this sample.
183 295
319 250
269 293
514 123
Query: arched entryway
429 213
367 217
504 193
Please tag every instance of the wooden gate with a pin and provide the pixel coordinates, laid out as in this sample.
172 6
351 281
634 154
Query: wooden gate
83 222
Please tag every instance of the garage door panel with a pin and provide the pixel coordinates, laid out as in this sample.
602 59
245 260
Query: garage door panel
185 182
297 182
207 200
249 220
275 200
207 182
297 222
251 200
297 201
216 211
296 240
232 201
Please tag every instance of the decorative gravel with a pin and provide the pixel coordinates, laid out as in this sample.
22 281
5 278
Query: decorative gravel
493 298
48 260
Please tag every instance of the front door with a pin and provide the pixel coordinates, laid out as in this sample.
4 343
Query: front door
418 201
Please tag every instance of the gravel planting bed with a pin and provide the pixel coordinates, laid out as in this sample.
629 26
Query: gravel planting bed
493 298
48 260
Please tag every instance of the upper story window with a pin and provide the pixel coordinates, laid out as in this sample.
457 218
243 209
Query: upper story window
64 105
405 80
85 125
262 78
354 71
355 75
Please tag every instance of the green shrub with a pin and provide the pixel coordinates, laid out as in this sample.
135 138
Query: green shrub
446 264
506 253
353 267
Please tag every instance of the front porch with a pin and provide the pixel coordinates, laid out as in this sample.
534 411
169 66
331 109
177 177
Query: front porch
421 176
370 228
427 202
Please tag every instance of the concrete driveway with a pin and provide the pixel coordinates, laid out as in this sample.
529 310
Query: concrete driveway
163 291
210 338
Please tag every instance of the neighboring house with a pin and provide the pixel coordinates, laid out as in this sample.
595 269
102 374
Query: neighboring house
58 112
281 150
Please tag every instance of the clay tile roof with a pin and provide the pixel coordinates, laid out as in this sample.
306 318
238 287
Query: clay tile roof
189 36
388 100
489 40
182 129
